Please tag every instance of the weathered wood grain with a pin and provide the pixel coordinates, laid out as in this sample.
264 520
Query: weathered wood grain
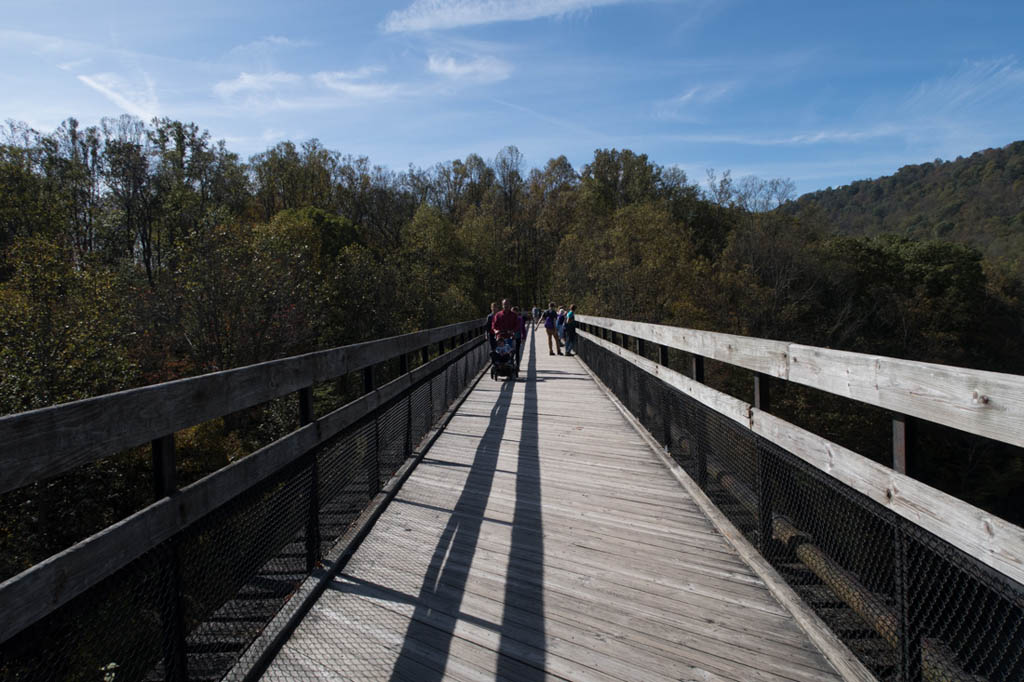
533 528
989 404
995 542
53 440
731 407
989 539
837 653
39 590
760 355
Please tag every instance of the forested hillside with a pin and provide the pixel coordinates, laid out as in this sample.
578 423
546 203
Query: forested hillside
132 253
978 200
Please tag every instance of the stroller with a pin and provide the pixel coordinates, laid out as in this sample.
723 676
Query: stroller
503 359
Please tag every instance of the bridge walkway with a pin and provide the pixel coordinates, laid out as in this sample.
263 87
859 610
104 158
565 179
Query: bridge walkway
541 538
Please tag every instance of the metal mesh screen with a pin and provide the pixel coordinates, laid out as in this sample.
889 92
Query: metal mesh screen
908 604
115 628
189 608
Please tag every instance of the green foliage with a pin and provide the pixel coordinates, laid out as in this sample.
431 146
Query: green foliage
976 201
62 332
132 253
245 293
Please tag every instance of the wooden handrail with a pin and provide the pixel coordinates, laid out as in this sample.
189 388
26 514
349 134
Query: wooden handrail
989 404
53 440
41 589
991 540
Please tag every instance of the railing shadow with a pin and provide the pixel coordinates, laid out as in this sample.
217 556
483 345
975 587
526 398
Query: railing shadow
444 584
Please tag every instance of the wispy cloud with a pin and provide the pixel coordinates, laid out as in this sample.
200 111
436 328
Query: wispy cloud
479 70
35 41
703 94
354 85
975 86
265 138
427 15
695 98
280 41
138 100
74 65
803 138
569 124
321 90
270 43
255 82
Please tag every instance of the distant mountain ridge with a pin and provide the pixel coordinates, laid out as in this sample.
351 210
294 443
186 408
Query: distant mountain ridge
978 200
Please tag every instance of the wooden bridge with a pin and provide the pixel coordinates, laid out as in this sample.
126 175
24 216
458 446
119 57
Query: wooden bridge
606 517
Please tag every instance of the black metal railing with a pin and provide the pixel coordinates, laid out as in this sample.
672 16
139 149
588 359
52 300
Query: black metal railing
910 605
189 607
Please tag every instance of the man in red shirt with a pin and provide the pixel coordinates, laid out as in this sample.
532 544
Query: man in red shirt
506 322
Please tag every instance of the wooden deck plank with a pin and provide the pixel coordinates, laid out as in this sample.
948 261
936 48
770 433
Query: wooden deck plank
633 543
655 556
540 538
606 605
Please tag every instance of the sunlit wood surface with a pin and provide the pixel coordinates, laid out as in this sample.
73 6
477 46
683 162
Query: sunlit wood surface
540 538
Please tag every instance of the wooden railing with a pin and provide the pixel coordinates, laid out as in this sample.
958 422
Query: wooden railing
985 403
54 440
988 404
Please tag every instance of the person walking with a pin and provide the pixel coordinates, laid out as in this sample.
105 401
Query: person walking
549 325
505 322
560 325
520 335
490 322
570 330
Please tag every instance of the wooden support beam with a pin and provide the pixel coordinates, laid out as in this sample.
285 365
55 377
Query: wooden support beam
900 436
762 397
165 473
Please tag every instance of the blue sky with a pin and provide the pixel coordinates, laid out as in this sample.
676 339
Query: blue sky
824 93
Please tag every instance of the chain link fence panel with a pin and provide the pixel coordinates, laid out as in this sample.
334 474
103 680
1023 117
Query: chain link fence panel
908 604
189 608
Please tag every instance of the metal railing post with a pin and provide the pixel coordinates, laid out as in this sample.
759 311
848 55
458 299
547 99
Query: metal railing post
306 416
909 650
667 427
374 465
765 495
697 374
403 368
172 614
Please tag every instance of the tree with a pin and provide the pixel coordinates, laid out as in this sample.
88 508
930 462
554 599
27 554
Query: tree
72 164
63 333
615 179
126 173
